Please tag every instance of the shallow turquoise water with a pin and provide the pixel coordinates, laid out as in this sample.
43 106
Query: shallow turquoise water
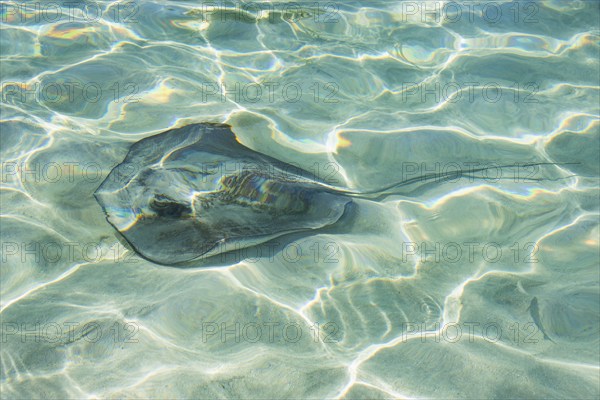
469 288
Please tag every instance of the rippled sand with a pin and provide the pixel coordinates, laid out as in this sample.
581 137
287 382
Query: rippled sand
469 288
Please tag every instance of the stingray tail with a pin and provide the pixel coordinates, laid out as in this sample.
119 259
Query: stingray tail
521 173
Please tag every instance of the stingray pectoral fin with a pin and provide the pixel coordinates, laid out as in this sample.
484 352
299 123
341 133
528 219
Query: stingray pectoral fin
169 242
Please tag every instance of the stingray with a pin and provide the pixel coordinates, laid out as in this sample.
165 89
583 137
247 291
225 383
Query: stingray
196 191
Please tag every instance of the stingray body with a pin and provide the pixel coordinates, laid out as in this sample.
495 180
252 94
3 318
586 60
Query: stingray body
196 191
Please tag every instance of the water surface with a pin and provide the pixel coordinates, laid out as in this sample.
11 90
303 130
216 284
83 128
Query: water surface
428 294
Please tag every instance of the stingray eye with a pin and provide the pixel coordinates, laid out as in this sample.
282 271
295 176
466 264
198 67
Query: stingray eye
166 207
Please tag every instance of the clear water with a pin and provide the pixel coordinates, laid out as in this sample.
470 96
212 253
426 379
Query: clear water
470 288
